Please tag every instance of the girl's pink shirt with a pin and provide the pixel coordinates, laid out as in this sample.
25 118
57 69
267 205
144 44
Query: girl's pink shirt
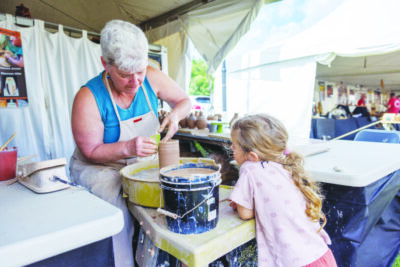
285 235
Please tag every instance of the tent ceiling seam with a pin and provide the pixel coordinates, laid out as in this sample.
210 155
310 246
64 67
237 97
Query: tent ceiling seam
172 15
65 14
22 22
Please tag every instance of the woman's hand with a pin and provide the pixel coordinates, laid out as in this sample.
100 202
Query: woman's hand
141 146
169 91
172 123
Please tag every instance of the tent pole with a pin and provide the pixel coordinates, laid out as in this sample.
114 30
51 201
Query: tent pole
223 86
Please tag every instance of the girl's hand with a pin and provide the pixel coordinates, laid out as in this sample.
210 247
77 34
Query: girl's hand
233 205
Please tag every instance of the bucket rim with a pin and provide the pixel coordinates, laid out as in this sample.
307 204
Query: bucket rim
189 182
216 184
164 176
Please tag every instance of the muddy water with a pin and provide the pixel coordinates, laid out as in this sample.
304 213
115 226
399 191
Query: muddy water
150 175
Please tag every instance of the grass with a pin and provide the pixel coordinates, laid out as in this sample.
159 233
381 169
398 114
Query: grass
397 262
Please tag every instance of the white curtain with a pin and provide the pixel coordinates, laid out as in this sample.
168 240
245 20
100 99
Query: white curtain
56 66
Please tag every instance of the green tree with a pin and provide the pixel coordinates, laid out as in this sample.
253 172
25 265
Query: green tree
200 82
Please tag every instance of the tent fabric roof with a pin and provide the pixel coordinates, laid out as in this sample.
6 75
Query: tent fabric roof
91 15
355 32
214 26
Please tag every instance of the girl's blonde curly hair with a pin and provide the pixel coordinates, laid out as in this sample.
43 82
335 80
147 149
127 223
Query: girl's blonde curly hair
267 137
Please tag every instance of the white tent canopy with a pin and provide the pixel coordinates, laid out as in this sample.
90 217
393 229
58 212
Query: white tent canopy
355 29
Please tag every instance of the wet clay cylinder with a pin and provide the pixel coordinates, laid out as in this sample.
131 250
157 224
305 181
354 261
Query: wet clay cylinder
168 153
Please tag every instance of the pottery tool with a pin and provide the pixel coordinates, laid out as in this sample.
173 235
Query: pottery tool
55 178
156 137
311 149
8 141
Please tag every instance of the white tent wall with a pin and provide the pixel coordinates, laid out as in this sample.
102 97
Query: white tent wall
56 66
284 90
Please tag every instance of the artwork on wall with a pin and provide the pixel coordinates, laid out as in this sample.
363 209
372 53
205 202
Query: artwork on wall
321 89
13 91
352 98
329 90
342 94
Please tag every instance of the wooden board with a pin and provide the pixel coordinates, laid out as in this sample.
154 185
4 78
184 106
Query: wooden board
202 132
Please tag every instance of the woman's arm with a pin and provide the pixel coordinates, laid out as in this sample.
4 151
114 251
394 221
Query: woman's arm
88 131
169 91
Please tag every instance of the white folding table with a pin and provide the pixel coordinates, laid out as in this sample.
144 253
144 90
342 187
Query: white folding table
35 226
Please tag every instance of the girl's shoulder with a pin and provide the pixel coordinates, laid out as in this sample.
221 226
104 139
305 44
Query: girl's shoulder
261 168
261 165
268 171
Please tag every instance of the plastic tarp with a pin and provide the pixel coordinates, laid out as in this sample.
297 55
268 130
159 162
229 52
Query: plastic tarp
363 222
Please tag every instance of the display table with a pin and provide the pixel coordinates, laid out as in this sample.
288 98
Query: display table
34 226
352 163
197 249
361 184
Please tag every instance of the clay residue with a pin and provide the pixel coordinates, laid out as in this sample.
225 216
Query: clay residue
189 172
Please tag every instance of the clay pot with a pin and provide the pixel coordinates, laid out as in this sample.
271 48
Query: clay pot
168 153
183 123
201 122
191 121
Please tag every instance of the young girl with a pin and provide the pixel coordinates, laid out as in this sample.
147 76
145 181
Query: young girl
274 189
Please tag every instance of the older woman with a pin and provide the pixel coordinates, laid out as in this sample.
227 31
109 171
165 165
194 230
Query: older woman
113 116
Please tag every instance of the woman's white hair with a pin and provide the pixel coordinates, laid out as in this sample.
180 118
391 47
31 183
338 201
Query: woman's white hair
124 45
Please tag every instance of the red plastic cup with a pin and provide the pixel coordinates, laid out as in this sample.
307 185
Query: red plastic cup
8 163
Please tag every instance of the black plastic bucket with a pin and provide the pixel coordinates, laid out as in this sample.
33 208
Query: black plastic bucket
192 197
